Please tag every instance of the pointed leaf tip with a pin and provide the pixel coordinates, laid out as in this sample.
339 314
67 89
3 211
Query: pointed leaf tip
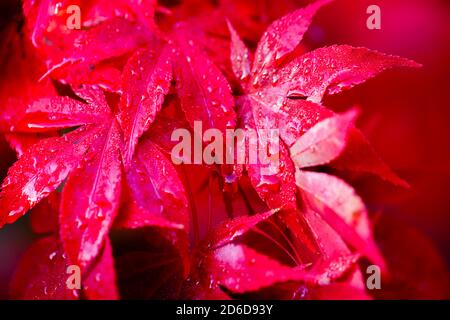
239 55
324 142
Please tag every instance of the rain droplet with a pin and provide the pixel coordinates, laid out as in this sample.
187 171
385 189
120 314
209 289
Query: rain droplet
52 255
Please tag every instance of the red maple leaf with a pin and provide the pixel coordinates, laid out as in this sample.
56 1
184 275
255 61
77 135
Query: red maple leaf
88 162
94 162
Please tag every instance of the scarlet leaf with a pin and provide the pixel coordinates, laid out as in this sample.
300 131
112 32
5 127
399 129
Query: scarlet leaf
204 92
113 172
230 230
48 18
229 263
294 117
274 181
61 112
240 55
90 198
330 243
40 171
110 39
41 274
146 81
242 269
281 38
333 69
100 284
154 195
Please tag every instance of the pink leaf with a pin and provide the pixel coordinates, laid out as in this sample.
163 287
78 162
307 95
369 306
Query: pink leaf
329 242
296 117
227 260
241 269
322 143
95 97
292 117
341 208
275 182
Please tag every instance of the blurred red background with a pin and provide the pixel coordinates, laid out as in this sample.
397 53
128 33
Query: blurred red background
405 113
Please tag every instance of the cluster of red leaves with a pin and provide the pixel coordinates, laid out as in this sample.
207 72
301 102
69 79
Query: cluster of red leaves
90 114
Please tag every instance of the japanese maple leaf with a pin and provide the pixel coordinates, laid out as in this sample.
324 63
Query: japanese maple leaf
90 158
204 92
94 54
278 75
283 88
47 20
116 180
237 259
146 80
336 201
42 274
144 197
19 86
154 194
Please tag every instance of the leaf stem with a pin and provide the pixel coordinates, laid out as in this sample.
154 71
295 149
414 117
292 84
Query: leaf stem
278 244
285 237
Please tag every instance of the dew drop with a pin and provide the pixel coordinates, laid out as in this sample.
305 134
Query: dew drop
52 255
